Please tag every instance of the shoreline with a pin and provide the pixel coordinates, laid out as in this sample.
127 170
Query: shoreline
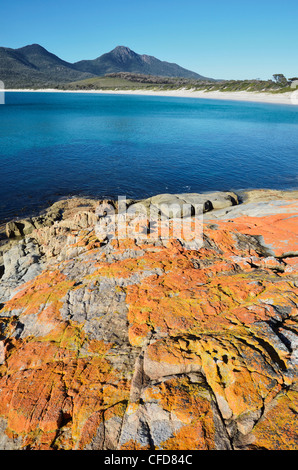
242 194
242 197
289 98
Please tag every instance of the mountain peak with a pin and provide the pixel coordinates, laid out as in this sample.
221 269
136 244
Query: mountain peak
33 47
123 53
121 49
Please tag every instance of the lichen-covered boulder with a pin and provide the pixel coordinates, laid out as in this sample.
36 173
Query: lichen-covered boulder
147 344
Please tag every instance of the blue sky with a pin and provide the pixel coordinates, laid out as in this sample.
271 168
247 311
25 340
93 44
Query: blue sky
220 39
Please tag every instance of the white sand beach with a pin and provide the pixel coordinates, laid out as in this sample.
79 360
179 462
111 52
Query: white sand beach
290 98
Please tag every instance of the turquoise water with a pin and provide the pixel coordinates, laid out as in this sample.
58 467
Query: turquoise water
61 144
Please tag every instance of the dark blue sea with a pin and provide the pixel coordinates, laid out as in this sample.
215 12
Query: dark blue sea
54 145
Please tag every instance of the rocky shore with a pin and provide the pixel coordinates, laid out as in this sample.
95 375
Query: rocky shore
151 342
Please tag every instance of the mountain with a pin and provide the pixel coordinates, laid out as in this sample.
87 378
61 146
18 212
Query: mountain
33 66
123 59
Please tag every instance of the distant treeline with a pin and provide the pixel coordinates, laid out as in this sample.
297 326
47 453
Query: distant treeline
127 80
133 81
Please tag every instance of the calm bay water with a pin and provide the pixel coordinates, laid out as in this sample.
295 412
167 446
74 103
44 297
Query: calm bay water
62 144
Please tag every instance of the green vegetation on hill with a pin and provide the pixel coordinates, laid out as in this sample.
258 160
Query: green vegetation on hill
128 81
104 83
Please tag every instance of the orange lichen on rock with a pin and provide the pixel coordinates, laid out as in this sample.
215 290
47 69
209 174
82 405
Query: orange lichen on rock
48 287
190 404
48 384
134 344
278 231
277 430
133 445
